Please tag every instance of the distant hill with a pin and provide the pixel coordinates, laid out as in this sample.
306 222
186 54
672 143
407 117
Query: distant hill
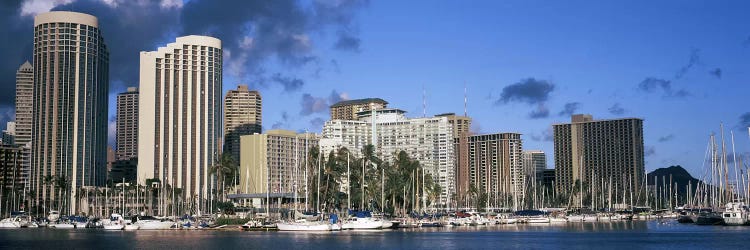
679 175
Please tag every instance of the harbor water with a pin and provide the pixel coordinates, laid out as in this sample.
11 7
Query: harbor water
599 235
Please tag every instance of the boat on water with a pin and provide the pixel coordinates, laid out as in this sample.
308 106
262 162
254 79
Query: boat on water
430 224
538 220
357 223
361 220
153 223
558 220
582 218
709 219
12 222
115 222
532 216
304 225
63 222
735 214
129 226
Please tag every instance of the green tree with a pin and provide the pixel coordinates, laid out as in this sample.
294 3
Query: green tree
225 167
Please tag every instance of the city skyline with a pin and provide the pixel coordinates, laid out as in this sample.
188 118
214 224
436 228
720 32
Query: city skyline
615 60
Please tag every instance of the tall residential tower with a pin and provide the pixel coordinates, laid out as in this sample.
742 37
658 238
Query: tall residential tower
242 116
179 123
127 124
71 83
599 151
24 103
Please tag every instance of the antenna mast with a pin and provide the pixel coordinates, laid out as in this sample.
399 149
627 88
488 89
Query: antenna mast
424 102
465 100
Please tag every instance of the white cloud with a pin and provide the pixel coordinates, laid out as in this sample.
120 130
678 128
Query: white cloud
166 4
111 133
34 7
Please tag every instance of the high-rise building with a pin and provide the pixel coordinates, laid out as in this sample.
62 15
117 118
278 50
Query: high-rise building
460 124
534 164
274 161
13 172
70 100
493 166
347 110
242 116
599 150
179 125
429 140
24 103
9 134
127 124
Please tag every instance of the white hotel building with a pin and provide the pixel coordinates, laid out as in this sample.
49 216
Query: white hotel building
179 125
429 140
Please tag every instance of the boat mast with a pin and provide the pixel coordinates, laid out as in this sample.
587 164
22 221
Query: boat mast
734 157
307 195
348 183
317 186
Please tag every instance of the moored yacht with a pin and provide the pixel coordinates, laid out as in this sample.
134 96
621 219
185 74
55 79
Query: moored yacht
735 214
115 222
12 222
304 225
153 223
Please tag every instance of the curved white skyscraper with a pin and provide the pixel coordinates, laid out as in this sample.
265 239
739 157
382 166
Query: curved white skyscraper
69 131
180 114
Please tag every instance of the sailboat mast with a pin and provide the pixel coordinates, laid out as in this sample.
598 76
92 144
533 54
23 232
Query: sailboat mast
348 183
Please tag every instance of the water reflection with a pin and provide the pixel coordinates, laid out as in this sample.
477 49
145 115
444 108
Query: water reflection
623 234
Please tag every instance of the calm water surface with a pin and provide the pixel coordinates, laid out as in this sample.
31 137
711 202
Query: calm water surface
617 235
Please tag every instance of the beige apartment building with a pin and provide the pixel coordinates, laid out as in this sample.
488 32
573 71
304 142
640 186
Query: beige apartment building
70 100
24 103
492 163
275 162
596 150
179 125
242 116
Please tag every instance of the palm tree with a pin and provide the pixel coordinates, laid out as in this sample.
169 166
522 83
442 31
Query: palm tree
224 166
61 183
48 181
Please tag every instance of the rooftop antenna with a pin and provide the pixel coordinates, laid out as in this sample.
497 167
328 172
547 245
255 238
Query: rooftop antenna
465 100
424 102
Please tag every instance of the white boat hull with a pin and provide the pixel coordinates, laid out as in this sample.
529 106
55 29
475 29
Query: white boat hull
362 224
537 220
10 225
558 220
304 226
113 227
155 225
63 226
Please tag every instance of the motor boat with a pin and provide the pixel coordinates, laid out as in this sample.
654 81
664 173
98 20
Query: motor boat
63 223
12 222
735 214
362 220
115 222
79 222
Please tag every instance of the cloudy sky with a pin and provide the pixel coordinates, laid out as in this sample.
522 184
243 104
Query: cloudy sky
683 66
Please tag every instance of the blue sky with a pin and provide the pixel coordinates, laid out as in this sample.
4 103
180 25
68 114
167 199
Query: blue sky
596 54
683 66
